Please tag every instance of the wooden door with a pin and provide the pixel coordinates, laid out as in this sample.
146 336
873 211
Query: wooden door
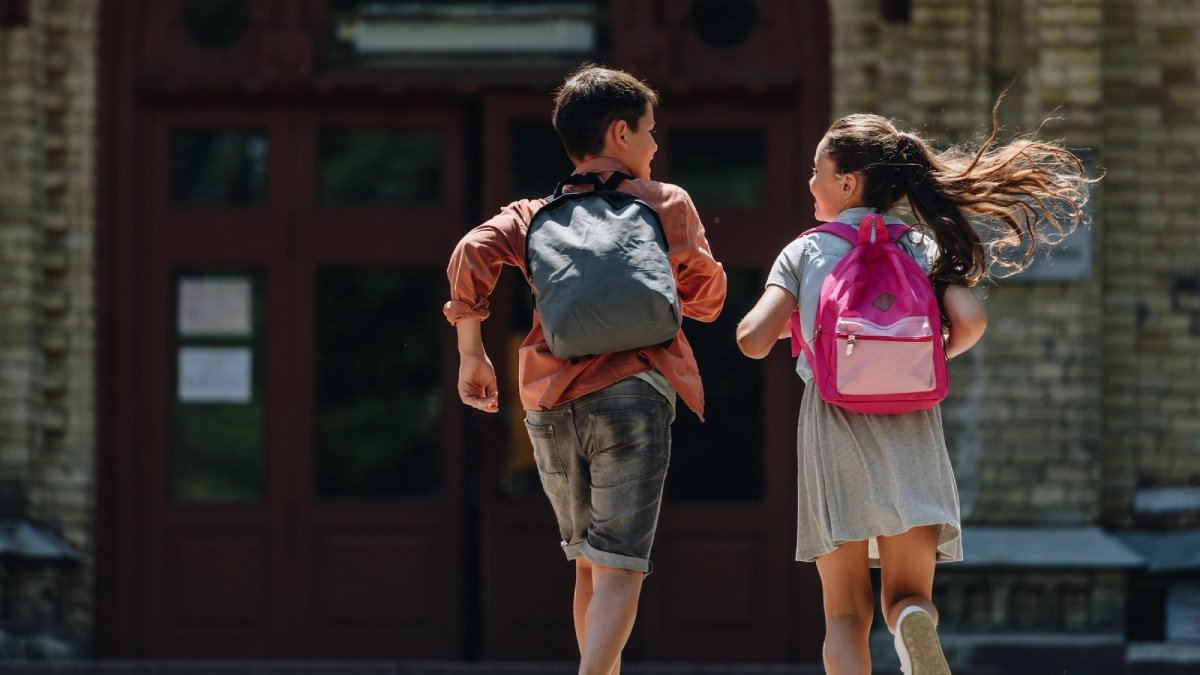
724 585
301 480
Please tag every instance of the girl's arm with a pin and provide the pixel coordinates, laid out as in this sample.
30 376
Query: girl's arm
967 319
765 324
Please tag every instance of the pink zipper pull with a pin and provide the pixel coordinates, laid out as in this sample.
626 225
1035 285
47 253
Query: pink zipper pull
850 345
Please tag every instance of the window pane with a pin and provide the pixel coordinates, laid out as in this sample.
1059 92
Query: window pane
218 167
720 167
218 409
466 33
539 161
381 166
379 400
216 23
722 459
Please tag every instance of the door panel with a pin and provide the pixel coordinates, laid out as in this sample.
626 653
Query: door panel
303 477
377 472
213 442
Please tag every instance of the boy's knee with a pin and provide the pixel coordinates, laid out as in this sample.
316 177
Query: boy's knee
616 575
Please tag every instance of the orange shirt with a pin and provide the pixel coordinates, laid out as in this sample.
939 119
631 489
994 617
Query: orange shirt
547 381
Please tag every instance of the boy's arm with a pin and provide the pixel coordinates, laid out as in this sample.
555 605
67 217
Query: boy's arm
967 317
700 279
476 376
473 271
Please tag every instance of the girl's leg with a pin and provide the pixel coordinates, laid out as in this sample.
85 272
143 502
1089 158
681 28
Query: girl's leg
908 561
907 571
849 608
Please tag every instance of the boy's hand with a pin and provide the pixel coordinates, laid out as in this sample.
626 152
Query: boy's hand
477 382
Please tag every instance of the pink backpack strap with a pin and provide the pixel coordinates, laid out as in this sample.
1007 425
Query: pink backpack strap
856 236
839 230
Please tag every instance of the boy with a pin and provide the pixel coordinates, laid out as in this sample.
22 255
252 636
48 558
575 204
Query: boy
600 425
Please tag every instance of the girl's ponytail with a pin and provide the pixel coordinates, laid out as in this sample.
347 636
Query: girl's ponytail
955 193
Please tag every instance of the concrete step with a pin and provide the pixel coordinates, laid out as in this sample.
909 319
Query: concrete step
404 668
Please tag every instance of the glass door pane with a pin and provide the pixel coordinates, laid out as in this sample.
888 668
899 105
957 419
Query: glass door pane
722 458
379 334
218 422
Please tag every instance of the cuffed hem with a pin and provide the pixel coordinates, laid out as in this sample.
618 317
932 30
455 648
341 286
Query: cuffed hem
457 310
606 559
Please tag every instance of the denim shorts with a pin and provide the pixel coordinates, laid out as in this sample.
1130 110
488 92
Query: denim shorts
603 459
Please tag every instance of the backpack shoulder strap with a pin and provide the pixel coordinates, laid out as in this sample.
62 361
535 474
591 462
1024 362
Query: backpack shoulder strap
616 179
839 230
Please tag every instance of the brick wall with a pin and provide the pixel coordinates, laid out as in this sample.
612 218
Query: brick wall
1023 418
1152 258
47 286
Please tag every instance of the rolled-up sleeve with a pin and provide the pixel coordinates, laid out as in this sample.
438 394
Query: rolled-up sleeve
700 279
476 263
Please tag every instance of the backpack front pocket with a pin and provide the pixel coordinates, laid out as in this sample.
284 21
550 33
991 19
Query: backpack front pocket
881 360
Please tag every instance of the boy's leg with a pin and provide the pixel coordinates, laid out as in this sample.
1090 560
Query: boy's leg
583 597
624 432
849 609
610 618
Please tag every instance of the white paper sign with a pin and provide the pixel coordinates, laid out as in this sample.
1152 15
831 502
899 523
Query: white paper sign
215 306
215 374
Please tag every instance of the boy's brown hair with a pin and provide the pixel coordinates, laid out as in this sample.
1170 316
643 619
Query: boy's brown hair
590 100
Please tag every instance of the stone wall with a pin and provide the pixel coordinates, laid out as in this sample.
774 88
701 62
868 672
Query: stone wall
1151 121
1080 391
48 74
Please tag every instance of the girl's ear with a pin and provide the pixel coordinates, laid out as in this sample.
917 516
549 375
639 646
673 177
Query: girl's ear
851 186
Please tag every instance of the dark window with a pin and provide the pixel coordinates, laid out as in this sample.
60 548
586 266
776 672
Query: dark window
381 166
216 23
722 458
218 167
379 337
538 159
724 23
720 167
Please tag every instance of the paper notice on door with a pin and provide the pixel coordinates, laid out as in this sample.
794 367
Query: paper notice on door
215 374
215 306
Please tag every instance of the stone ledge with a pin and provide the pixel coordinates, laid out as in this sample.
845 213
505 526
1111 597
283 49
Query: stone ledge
1085 547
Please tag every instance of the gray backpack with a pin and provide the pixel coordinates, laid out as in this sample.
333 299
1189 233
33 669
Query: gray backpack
598 268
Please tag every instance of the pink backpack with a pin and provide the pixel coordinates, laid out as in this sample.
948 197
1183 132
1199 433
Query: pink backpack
877 341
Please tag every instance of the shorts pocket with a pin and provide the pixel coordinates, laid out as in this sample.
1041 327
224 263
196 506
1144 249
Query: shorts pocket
626 445
546 456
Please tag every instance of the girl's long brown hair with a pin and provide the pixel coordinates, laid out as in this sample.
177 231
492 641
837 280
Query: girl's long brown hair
1005 189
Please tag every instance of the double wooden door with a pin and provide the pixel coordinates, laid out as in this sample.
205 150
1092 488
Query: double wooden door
301 492
302 481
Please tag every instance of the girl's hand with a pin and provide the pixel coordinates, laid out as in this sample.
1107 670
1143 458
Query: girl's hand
968 320
766 323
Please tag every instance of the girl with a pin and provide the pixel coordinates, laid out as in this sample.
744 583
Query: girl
878 490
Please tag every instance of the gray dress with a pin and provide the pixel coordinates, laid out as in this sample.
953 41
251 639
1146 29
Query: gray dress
862 476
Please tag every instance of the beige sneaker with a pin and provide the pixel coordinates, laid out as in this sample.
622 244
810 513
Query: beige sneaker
917 644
